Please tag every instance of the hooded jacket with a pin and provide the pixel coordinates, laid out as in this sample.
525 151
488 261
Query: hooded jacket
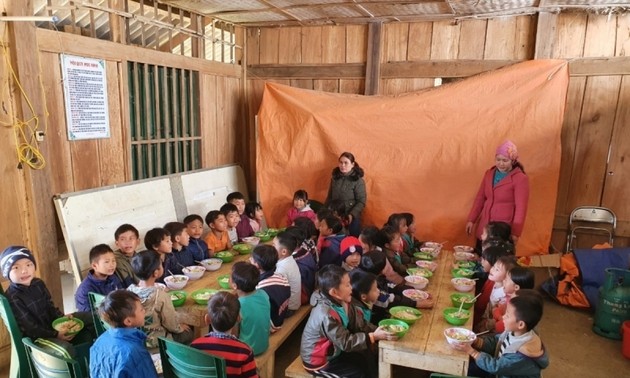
120 352
350 189
92 284
330 251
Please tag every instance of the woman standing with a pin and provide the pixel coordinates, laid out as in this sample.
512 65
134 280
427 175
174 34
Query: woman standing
347 185
503 194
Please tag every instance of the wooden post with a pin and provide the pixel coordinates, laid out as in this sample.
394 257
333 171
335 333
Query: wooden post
117 28
545 34
39 215
373 66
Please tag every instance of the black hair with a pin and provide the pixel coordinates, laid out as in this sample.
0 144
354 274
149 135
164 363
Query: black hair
329 277
305 225
266 257
333 223
213 216
507 245
323 213
175 229
338 208
154 237
518 164
373 262
145 263
223 310
300 194
528 307
117 306
234 196
288 240
251 208
99 250
371 236
523 277
355 174
499 230
492 254
362 282
125 228
191 218
389 232
394 221
245 276
228 208
409 218
508 262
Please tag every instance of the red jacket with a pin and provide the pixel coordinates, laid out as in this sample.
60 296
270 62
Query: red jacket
506 202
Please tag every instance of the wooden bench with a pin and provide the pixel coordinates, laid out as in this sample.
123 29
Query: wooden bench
266 361
296 370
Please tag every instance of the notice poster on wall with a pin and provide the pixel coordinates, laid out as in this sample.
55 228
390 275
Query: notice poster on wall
85 94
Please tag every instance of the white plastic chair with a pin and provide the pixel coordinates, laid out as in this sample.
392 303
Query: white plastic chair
591 218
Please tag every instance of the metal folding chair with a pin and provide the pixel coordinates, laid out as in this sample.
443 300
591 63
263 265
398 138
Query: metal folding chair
591 218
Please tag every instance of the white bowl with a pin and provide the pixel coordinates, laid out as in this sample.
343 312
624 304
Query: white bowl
463 248
459 336
417 282
464 256
194 272
176 281
463 284
211 264
430 265
415 294
434 251
431 244
252 240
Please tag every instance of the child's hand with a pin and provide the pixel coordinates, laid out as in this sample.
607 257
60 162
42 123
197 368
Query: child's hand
184 327
381 334
463 347
64 336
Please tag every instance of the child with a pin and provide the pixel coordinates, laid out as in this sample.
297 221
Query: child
410 243
338 209
516 279
127 240
497 234
120 351
217 239
286 244
365 293
32 304
161 317
100 279
232 220
330 240
243 228
351 252
255 215
181 240
304 231
159 240
517 352
265 257
399 223
223 316
370 238
255 307
198 247
300 208
337 341
497 295
391 247
488 257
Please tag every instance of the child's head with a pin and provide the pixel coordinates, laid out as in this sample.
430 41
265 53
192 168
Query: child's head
18 264
265 257
331 225
307 227
231 214
391 236
523 312
374 262
253 210
122 309
364 287
102 260
127 239
518 278
300 199
369 238
321 215
490 255
338 208
410 220
147 265
500 268
507 245
334 282
397 222
286 243
159 240
216 221
179 233
237 199
351 251
223 311
496 230
245 277
194 225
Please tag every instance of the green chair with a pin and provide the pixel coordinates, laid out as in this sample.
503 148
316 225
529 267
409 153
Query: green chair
20 365
99 325
47 364
179 360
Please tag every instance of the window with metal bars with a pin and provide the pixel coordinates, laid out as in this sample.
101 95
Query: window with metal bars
164 113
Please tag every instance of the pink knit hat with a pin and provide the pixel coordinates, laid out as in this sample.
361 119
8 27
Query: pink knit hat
508 149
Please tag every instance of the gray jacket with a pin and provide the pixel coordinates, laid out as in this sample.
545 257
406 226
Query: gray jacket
350 189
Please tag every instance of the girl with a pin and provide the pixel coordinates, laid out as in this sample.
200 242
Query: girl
488 258
370 239
516 279
305 255
300 208
254 213
497 294
365 293
391 248
497 234
410 243
398 222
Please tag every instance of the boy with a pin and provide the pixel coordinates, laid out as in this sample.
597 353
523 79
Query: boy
181 240
285 243
120 351
392 242
265 257
305 232
159 240
194 226
255 307
127 239
337 341
223 314
329 241
217 239
100 279
32 304
243 228
518 351
231 216
161 317
351 252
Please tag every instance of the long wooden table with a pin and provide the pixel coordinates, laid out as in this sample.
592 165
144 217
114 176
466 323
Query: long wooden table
424 346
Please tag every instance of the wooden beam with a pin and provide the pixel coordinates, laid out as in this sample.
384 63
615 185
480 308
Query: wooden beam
441 68
117 23
545 34
373 61
599 66
307 71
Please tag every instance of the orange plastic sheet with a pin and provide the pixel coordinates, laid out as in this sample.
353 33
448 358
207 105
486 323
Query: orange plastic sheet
423 152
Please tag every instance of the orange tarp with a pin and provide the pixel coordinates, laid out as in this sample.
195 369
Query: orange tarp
423 152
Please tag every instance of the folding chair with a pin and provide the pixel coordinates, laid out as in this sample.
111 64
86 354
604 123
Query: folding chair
99 325
179 360
20 365
591 218
47 364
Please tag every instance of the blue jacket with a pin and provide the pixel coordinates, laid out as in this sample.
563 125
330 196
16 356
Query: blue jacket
120 352
184 257
330 251
171 266
199 249
308 269
525 357
92 284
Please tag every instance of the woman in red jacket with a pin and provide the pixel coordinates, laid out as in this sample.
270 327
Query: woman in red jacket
503 194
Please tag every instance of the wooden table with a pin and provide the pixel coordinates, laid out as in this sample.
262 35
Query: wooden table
424 346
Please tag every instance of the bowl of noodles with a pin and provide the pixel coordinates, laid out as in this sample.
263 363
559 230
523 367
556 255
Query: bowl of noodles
422 272
455 316
69 326
202 296
430 265
406 314
468 299
463 284
459 336
397 327
417 282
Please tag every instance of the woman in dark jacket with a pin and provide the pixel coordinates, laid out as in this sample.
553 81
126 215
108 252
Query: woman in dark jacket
347 185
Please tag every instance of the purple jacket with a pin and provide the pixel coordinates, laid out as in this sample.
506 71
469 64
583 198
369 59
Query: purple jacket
243 228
